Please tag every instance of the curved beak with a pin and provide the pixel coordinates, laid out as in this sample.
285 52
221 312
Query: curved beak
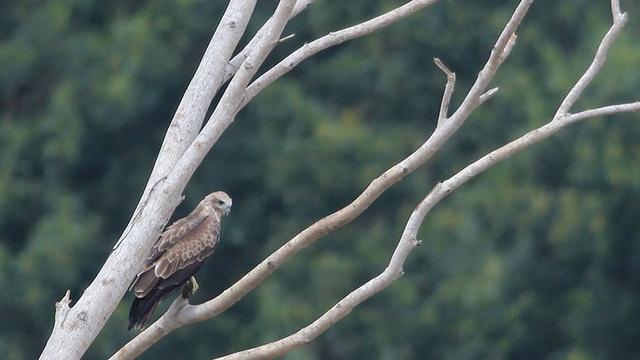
226 209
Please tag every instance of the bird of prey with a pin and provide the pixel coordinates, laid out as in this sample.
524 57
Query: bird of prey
177 255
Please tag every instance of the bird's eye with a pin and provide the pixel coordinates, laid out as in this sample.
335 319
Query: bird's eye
220 202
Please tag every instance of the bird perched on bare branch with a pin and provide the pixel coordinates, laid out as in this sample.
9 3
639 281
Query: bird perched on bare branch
177 256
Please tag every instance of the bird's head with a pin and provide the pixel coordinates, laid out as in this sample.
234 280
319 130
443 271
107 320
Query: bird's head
220 200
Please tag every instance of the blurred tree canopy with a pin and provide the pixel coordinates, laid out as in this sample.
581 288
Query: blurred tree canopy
537 258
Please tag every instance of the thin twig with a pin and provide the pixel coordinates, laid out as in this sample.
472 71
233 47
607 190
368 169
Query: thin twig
499 52
448 91
487 95
507 49
619 21
281 40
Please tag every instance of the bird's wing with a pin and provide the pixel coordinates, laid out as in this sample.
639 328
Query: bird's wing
179 253
173 234
195 246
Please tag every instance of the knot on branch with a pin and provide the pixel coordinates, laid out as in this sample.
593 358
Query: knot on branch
62 309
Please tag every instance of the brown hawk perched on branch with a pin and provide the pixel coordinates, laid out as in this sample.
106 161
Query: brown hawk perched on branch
177 255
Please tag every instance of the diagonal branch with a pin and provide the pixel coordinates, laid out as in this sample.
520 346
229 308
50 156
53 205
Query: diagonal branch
500 51
408 240
619 20
190 114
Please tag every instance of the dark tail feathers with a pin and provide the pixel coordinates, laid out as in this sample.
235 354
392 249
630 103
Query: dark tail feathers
142 308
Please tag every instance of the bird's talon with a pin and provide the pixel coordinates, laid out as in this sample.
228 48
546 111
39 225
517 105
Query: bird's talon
190 288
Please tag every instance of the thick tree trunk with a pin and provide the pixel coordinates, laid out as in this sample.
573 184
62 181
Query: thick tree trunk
76 327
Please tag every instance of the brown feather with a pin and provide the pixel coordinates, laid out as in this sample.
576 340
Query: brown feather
177 255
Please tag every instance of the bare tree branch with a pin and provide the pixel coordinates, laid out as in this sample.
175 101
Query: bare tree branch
616 12
487 95
182 313
509 47
72 336
408 240
234 64
500 51
619 21
190 114
604 111
448 91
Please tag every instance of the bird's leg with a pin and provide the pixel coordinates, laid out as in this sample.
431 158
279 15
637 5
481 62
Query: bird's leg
189 288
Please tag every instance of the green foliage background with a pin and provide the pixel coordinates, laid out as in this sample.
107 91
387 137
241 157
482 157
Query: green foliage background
537 258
